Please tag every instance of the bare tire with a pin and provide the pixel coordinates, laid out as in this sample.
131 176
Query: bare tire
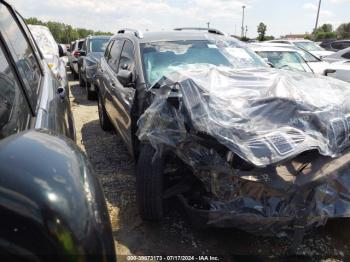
90 95
81 81
149 184
75 75
105 123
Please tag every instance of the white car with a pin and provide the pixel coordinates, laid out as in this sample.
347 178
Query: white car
342 70
317 65
339 70
306 45
339 56
49 48
282 58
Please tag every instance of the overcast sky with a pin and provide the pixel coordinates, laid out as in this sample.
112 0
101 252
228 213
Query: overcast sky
281 16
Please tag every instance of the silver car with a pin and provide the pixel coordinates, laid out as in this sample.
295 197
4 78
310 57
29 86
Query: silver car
49 49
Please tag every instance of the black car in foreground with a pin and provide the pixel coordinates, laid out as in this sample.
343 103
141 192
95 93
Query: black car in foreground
51 204
239 143
91 53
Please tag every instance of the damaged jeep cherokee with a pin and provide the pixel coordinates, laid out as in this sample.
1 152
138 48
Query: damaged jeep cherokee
241 144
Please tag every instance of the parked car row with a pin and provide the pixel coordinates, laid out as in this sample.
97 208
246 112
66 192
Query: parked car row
51 202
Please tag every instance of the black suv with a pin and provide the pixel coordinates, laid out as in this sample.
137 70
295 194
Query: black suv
91 53
50 200
335 45
239 143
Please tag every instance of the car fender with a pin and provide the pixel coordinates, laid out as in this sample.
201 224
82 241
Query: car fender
50 200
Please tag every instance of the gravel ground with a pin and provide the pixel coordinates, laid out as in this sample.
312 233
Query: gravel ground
174 235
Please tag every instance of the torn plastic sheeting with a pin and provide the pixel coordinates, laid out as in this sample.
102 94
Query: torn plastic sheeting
263 116
247 111
45 40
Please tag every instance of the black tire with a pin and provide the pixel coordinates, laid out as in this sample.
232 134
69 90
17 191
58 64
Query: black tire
81 81
105 123
90 95
75 75
149 184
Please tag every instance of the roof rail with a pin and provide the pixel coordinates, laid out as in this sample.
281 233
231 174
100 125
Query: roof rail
209 30
136 32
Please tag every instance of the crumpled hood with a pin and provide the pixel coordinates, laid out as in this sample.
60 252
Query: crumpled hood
263 115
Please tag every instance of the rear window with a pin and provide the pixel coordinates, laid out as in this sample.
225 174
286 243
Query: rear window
80 45
98 45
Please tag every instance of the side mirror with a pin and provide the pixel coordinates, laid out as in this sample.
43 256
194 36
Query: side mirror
125 77
82 53
329 71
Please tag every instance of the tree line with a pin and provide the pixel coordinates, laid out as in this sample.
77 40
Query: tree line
64 33
326 31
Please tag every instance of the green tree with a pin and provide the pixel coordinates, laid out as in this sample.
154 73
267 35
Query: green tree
328 28
64 33
262 28
343 31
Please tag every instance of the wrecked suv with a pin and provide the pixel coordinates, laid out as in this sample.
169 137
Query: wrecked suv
241 144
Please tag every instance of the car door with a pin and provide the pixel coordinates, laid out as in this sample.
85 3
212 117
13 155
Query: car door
122 97
15 113
109 67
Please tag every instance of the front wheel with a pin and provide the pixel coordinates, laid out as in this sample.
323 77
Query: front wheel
90 95
105 123
81 81
149 184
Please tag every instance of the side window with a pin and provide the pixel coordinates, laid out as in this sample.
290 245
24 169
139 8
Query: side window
346 55
23 54
84 46
108 50
338 45
114 55
12 101
80 45
127 60
73 46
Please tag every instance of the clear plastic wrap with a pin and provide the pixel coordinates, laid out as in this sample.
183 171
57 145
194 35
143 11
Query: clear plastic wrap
45 40
290 129
263 116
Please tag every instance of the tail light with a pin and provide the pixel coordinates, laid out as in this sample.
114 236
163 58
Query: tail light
76 54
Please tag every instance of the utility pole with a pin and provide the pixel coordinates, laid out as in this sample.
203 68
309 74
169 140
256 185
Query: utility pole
242 35
208 24
318 16
246 30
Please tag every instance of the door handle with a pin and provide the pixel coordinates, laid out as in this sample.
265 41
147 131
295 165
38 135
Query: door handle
114 84
61 91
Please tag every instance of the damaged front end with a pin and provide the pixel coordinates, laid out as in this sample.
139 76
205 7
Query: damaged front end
269 148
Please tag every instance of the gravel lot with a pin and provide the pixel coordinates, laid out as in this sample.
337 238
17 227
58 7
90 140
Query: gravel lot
174 235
